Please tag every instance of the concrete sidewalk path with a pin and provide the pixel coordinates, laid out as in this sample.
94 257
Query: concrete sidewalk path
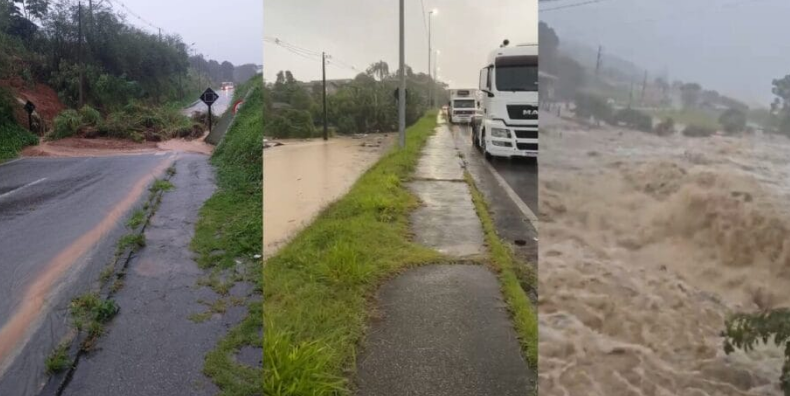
444 329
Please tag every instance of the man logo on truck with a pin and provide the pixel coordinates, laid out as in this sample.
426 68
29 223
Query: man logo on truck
530 112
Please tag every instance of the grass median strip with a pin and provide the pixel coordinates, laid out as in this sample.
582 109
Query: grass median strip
317 288
524 315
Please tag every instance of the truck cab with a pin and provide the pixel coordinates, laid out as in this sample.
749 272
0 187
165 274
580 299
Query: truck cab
507 122
462 107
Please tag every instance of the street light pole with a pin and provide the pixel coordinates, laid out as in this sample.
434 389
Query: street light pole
402 77
430 52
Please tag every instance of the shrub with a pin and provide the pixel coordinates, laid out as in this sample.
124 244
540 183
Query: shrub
635 119
733 121
90 116
745 330
67 123
698 131
591 105
292 124
666 127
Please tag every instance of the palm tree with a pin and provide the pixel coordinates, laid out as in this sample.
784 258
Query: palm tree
379 70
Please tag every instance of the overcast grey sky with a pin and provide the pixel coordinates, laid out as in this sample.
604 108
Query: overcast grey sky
734 46
360 32
221 30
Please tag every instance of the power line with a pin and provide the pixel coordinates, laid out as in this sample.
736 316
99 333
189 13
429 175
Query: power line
562 7
308 53
134 14
424 19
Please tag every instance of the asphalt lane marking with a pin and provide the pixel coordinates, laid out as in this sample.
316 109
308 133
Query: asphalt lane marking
23 187
8 162
513 196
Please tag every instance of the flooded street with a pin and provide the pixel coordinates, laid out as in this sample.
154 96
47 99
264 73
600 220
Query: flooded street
646 245
302 177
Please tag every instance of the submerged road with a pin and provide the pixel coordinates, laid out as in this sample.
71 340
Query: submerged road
60 219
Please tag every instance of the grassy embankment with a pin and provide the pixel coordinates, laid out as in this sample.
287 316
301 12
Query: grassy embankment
228 235
13 138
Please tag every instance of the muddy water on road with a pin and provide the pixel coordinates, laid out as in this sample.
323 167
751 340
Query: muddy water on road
39 295
302 177
646 245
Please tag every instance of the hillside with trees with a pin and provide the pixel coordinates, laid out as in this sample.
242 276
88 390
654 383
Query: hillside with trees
87 57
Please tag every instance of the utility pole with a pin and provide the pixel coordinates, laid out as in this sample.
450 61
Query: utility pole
160 34
402 76
644 86
430 53
631 94
434 94
598 61
323 73
79 52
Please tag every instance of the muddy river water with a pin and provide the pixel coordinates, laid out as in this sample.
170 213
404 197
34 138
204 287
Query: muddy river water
646 245
302 177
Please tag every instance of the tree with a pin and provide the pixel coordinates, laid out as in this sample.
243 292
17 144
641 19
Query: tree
227 71
34 9
380 70
733 120
548 44
745 330
690 93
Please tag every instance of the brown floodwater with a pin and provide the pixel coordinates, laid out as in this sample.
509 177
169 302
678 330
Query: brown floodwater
647 244
302 177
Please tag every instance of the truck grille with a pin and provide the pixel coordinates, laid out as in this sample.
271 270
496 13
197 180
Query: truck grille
527 146
464 112
521 134
522 112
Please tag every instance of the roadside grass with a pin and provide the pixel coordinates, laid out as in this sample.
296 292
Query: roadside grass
137 219
228 236
161 185
13 139
58 360
318 288
523 313
89 312
135 241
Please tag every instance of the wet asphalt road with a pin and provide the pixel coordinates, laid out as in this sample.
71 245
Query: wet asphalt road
47 207
512 225
223 103
521 174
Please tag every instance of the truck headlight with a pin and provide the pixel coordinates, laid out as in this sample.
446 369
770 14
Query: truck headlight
500 133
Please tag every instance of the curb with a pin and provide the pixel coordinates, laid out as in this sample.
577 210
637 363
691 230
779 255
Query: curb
57 383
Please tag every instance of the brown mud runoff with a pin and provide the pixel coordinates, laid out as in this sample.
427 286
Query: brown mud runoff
646 245
103 147
302 177
13 335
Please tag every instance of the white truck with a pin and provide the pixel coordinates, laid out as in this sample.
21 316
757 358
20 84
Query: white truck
507 122
462 107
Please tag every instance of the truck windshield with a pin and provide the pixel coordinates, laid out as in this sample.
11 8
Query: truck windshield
517 78
517 73
464 104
